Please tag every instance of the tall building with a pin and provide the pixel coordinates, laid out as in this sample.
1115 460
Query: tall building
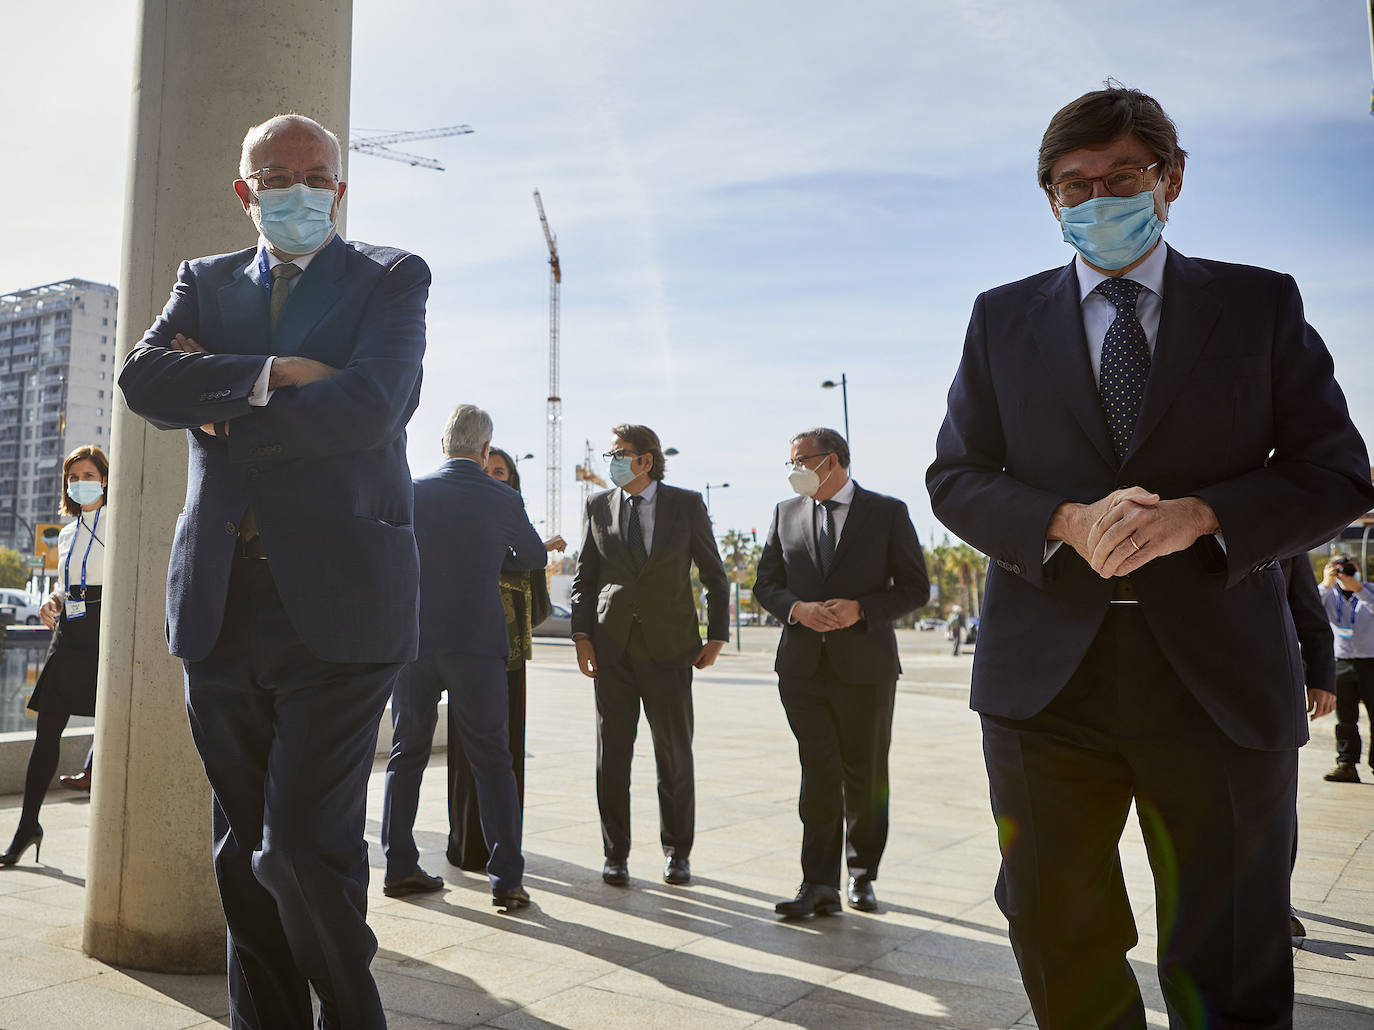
57 372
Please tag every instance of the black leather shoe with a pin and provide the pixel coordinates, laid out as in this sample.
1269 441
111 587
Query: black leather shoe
861 896
812 899
1345 772
418 882
510 900
1296 929
616 872
21 843
677 871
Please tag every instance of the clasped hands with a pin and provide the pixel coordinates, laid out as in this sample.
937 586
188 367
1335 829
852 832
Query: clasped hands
1130 528
827 616
289 370
586 655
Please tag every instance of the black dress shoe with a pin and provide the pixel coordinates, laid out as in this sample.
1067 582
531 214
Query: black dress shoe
417 882
21 843
812 899
677 871
616 872
516 897
861 895
1296 929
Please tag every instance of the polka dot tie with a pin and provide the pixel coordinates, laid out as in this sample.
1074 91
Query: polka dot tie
1125 363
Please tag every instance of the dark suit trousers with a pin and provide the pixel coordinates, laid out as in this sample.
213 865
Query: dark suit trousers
467 848
1354 685
288 741
844 733
623 683
1218 822
476 686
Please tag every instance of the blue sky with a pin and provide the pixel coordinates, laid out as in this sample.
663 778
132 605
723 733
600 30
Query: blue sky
751 198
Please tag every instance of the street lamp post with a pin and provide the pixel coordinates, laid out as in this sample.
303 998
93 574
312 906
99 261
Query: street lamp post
843 384
718 486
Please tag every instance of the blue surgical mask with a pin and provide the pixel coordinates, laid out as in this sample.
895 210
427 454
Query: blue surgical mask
296 220
85 491
1112 232
620 471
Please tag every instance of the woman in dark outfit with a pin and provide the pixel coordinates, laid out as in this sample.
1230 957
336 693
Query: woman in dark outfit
66 687
525 596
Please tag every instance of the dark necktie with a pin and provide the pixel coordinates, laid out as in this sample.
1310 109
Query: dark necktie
1125 363
282 275
636 533
825 534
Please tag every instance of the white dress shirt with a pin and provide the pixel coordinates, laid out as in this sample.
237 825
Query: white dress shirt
73 540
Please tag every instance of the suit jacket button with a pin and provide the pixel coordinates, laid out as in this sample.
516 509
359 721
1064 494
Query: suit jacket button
1016 568
231 529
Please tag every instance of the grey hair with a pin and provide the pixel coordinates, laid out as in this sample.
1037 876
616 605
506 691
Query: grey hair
258 134
827 440
467 431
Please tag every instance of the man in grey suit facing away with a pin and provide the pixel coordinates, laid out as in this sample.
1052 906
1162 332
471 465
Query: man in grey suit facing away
635 627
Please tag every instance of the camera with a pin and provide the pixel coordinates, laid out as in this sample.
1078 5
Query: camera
1347 568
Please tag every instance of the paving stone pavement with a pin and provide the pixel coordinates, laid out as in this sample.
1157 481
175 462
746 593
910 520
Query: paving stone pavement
710 955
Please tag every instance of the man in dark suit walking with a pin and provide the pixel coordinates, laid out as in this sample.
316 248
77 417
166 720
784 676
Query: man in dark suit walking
469 527
291 596
1137 440
634 624
841 564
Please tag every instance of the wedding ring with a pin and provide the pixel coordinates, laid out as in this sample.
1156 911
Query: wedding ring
1131 538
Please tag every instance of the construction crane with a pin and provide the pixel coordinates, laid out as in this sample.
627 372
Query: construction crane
588 479
377 144
555 410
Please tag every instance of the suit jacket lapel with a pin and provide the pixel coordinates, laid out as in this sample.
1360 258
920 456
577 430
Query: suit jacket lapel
803 524
859 510
667 513
1055 318
316 292
244 316
1185 324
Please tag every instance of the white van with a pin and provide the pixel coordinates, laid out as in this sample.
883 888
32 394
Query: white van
25 611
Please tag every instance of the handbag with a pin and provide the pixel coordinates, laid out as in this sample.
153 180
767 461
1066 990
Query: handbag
541 605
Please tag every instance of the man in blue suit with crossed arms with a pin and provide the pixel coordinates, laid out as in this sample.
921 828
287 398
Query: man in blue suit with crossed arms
294 367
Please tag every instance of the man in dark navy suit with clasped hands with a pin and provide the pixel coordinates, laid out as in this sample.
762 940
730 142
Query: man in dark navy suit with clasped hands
294 367
1137 440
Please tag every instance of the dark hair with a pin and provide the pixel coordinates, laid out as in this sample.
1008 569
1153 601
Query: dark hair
827 440
512 468
89 452
1101 116
645 441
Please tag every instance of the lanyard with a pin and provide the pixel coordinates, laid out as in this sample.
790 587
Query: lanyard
1354 608
67 569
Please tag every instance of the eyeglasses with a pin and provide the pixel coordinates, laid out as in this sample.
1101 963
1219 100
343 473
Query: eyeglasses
285 178
610 456
1124 182
799 464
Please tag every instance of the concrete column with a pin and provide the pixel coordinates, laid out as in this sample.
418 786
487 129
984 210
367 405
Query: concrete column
204 73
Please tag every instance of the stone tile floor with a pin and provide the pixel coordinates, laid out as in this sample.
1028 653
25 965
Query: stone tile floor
711 955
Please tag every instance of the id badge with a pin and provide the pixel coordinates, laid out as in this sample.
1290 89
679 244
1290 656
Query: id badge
1345 632
76 609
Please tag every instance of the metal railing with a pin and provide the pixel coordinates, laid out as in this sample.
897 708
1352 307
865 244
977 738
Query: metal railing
21 660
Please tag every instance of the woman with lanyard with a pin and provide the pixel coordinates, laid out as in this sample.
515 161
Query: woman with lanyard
66 687
525 596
